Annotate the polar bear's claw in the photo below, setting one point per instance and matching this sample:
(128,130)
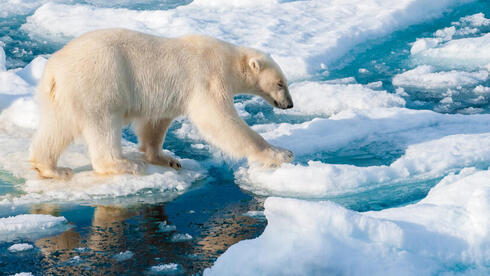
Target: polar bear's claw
(165,160)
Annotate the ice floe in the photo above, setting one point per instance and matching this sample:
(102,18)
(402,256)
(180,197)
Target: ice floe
(460,46)
(467,53)
(317,32)
(157,184)
(164,227)
(427,77)
(451,65)
(424,161)
(430,145)
(354,128)
(31,226)
(23,274)
(19,247)
(123,256)
(179,237)
(447,232)
(165,269)
(325,98)
(10,8)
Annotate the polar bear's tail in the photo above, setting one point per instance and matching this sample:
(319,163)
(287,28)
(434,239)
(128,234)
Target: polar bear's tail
(47,85)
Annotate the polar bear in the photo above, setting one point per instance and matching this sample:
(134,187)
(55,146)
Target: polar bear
(105,79)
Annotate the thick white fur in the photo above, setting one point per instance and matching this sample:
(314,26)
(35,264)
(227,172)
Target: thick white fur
(105,79)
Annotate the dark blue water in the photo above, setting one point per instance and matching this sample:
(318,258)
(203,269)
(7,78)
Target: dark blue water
(212,210)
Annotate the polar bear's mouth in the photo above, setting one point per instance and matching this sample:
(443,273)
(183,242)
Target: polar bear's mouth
(286,106)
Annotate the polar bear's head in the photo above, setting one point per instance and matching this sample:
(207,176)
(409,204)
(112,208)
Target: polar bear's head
(267,80)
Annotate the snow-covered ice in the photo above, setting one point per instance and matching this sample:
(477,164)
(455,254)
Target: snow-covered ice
(323,98)
(158,182)
(30,226)
(165,227)
(424,161)
(467,53)
(18,247)
(426,76)
(463,52)
(165,269)
(444,233)
(447,232)
(179,237)
(317,33)
(123,256)
(352,128)
(451,66)
(433,145)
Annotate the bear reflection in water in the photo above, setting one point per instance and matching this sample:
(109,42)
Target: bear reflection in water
(116,229)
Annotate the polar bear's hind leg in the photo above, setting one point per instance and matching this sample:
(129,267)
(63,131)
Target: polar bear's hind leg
(151,135)
(51,139)
(103,136)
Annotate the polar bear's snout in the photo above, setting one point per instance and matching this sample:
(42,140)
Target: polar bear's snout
(284,100)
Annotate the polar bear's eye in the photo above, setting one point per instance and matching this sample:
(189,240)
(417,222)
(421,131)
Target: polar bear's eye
(280,84)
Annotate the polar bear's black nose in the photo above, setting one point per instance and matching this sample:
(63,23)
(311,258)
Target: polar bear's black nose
(290,105)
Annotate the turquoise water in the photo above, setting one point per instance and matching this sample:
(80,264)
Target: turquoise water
(212,210)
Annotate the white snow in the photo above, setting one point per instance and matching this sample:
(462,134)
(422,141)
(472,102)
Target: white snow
(424,161)
(18,247)
(158,182)
(475,20)
(164,227)
(123,256)
(452,66)
(255,214)
(179,237)
(443,50)
(426,77)
(468,53)
(9,8)
(30,226)
(354,128)
(3,61)
(323,98)
(433,144)
(445,233)
(24,274)
(165,269)
(317,33)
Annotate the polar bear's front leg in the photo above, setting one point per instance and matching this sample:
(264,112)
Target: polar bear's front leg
(151,135)
(103,136)
(221,125)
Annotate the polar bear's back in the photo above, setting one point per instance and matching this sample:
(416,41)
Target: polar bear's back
(132,71)
(124,69)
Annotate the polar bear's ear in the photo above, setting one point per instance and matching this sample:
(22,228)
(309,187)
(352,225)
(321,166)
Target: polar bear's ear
(254,64)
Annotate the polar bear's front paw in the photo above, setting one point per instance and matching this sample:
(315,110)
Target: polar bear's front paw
(273,157)
(164,160)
